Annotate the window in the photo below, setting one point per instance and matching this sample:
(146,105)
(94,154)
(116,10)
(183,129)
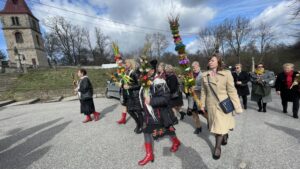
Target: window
(38,40)
(19,37)
(15,21)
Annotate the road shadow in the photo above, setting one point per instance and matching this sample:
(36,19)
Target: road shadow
(205,132)
(19,134)
(26,153)
(190,158)
(289,131)
(108,109)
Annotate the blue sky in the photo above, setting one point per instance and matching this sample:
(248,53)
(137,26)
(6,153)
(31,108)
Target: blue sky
(195,15)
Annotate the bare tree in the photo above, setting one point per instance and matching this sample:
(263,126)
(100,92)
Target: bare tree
(237,34)
(52,45)
(160,43)
(102,43)
(89,44)
(265,36)
(63,31)
(207,39)
(149,43)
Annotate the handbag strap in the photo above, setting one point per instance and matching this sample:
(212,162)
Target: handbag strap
(214,93)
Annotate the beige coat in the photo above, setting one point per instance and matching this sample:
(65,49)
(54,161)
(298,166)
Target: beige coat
(223,85)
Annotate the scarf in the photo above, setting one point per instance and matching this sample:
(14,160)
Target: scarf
(289,79)
(259,72)
(195,74)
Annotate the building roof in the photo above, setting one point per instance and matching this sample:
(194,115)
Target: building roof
(16,7)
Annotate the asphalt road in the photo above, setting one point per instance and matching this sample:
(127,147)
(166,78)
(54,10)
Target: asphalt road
(51,136)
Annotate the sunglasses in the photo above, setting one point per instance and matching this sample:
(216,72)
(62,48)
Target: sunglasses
(237,67)
(260,66)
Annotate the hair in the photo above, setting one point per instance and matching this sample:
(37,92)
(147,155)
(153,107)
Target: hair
(163,65)
(169,69)
(196,63)
(288,65)
(220,61)
(238,64)
(83,71)
(132,62)
(259,64)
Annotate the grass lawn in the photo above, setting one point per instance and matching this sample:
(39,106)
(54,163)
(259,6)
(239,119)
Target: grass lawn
(48,80)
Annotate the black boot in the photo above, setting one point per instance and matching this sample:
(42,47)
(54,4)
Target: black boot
(264,107)
(198,130)
(259,106)
(217,152)
(140,124)
(225,139)
(135,118)
(182,114)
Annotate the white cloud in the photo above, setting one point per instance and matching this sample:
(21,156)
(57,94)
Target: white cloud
(142,13)
(280,18)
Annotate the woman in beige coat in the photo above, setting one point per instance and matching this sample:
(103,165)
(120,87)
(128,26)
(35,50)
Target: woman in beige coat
(221,81)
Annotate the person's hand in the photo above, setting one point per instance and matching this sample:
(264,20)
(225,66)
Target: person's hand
(239,82)
(126,86)
(278,92)
(147,100)
(203,109)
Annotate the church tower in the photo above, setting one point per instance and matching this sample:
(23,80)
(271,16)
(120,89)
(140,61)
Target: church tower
(22,31)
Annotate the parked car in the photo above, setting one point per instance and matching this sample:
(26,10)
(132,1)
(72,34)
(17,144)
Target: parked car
(113,91)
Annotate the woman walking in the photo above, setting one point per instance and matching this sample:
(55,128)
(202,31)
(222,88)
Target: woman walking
(176,100)
(218,85)
(241,79)
(85,93)
(287,91)
(158,118)
(262,81)
(133,103)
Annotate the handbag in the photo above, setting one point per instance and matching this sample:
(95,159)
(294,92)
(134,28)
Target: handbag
(226,105)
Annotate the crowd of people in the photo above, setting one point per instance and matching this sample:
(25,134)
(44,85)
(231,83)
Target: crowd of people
(156,111)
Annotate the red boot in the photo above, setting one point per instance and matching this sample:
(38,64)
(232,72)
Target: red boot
(87,119)
(149,154)
(176,144)
(123,119)
(96,116)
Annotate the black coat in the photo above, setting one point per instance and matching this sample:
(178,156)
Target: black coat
(85,89)
(174,87)
(280,85)
(159,101)
(133,99)
(243,89)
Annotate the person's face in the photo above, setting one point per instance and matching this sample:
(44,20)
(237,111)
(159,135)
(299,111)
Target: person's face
(260,67)
(213,63)
(238,68)
(196,68)
(288,69)
(151,73)
(127,64)
(79,74)
(160,69)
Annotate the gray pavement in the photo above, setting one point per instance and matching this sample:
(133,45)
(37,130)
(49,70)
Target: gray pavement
(51,136)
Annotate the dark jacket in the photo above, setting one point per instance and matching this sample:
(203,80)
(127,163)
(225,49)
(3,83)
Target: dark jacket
(243,89)
(133,100)
(160,97)
(85,89)
(280,85)
(175,92)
